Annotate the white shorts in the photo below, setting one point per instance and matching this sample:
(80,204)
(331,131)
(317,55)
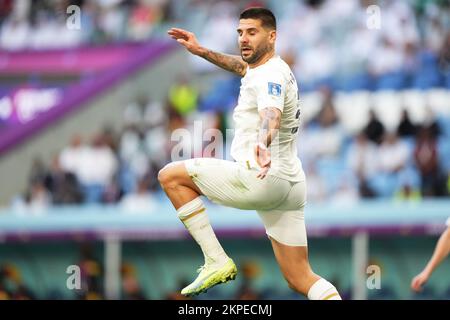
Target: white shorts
(279,202)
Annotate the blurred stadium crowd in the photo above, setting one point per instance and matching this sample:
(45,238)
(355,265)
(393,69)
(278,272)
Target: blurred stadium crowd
(336,43)
(331,49)
(407,162)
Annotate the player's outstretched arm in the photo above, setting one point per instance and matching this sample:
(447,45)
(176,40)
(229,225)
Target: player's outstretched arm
(230,63)
(440,253)
(270,123)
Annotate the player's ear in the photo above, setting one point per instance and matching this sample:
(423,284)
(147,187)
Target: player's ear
(272,36)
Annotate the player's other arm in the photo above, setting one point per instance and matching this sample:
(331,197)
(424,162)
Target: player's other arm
(270,123)
(230,63)
(440,253)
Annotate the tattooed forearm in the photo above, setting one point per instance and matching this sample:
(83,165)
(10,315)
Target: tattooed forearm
(270,124)
(228,62)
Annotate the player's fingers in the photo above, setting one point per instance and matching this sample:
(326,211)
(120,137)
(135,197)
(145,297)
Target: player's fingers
(176,30)
(181,32)
(260,173)
(263,173)
(417,288)
(174,37)
(182,41)
(414,284)
(177,34)
(417,284)
(172,31)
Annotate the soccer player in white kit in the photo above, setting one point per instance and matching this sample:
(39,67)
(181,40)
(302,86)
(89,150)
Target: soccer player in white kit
(266,176)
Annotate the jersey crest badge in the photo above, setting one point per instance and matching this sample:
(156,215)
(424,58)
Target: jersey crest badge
(274,89)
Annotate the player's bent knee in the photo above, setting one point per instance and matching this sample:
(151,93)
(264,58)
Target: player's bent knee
(171,176)
(165,175)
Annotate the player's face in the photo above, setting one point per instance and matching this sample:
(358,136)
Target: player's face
(254,40)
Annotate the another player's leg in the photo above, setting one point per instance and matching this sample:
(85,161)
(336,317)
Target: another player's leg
(294,264)
(185,197)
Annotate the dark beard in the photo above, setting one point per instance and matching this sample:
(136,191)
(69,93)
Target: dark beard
(256,56)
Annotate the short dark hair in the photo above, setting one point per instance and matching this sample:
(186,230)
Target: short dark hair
(265,15)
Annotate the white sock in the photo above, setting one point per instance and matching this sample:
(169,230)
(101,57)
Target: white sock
(323,290)
(194,217)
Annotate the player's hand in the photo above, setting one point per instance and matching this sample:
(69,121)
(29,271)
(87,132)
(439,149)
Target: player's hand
(262,156)
(419,281)
(186,38)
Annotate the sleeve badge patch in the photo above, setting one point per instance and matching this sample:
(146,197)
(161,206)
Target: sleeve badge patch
(274,89)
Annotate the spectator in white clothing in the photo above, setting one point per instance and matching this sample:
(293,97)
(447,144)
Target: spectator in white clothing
(392,154)
(362,156)
(70,156)
(139,201)
(98,167)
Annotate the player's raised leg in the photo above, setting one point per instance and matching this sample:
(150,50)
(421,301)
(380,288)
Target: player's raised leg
(294,264)
(185,197)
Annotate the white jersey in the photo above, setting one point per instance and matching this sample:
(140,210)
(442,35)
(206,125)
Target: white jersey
(269,85)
